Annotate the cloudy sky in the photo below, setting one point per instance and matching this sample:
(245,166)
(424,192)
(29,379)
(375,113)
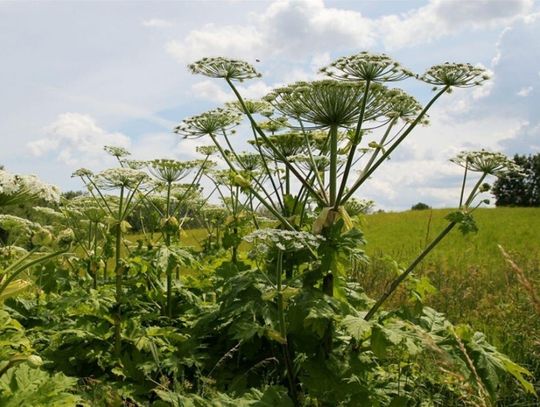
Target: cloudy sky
(77,75)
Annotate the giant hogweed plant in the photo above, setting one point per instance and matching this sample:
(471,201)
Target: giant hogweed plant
(328,137)
(128,182)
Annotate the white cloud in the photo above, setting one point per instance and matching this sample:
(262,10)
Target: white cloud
(524,92)
(212,40)
(440,18)
(157,23)
(76,138)
(294,29)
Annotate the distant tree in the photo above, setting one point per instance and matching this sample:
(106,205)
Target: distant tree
(520,188)
(420,206)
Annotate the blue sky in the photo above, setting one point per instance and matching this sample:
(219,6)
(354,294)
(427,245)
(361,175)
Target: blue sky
(78,75)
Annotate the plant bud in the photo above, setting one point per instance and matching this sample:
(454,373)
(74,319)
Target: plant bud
(34,361)
(484,187)
(65,237)
(42,238)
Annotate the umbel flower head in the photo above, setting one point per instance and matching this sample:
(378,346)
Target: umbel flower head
(486,162)
(208,123)
(284,240)
(134,164)
(366,66)
(249,161)
(120,178)
(455,75)
(82,172)
(288,144)
(326,103)
(225,68)
(252,106)
(117,152)
(18,188)
(207,150)
(170,171)
(403,106)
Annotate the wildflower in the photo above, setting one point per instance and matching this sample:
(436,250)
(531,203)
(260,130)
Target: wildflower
(225,68)
(170,170)
(456,75)
(249,161)
(16,188)
(288,144)
(8,183)
(305,161)
(251,107)
(120,178)
(326,103)
(208,123)
(366,66)
(117,152)
(207,150)
(487,162)
(82,172)
(134,164)
(284,240)
(404,106)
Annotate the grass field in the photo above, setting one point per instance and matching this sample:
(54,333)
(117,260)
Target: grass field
(474,283)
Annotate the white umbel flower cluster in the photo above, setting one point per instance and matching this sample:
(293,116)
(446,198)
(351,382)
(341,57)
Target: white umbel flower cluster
(16,188)
(284,240)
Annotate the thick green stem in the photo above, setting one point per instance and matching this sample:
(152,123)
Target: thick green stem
(394,285)
(354,144)
(333,164)
(283,330)
(118,273)
(168,244)
(472,195)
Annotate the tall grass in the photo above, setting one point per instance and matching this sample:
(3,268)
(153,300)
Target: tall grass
(475,283)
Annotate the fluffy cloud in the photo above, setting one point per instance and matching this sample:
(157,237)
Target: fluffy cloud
(294,29)
(298,29)
(440,18)
(524,92)
(76,138)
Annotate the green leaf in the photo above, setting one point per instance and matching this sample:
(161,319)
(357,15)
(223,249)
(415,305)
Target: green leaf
(464,220)
(357,327)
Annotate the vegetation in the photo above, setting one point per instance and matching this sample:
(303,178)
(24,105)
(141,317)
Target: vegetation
(520,188)
(420,206)
(274,306)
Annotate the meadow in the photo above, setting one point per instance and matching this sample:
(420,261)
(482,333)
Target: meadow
(473,281)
